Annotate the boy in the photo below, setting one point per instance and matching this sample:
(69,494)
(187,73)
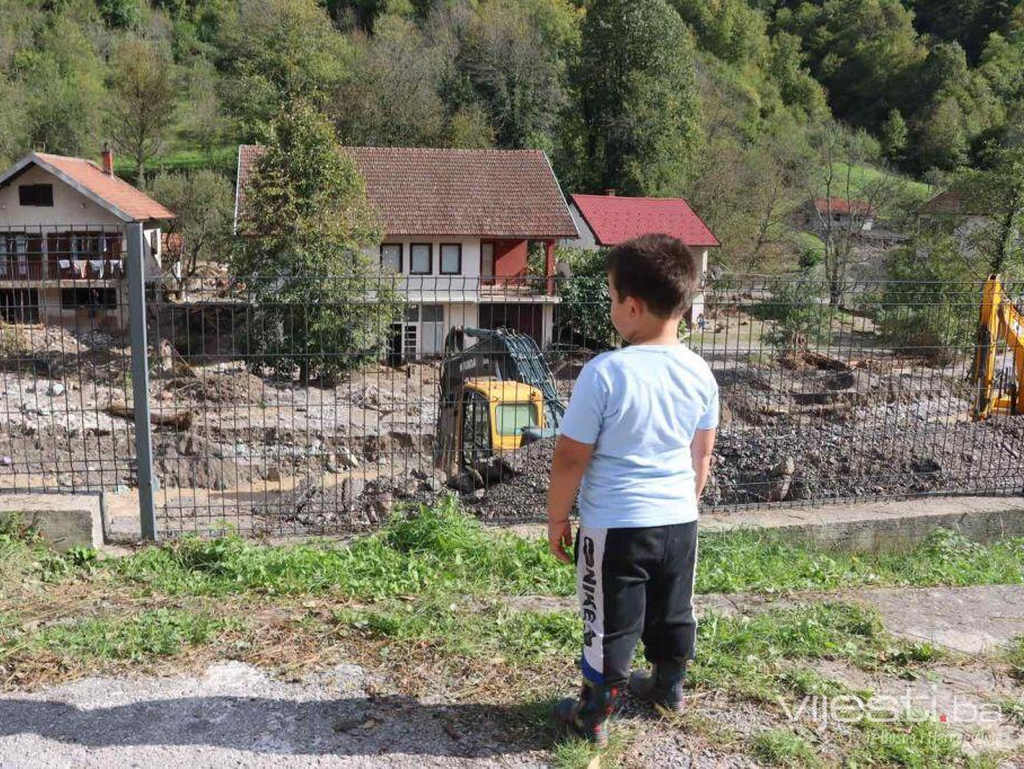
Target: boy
(638,433)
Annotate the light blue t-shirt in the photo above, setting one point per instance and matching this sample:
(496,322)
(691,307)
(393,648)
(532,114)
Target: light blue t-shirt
(640,406)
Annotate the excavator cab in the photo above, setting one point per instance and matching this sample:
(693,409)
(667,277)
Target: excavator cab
(496,396)
(496,417)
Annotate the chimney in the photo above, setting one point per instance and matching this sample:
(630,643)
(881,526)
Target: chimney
(610,192)
(108,160)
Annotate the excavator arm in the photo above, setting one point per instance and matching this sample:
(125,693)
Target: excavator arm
(999,319)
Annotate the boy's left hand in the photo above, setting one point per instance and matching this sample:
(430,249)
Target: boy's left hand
(560,539)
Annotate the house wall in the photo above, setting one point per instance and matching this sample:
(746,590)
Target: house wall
(586,238)
(70,207)
(510,257)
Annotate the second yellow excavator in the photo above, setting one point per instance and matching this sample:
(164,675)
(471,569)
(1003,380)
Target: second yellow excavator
(1000,319)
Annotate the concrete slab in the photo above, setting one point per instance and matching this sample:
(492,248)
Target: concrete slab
(878,526)
(64,520)
(974,620)
(868,526)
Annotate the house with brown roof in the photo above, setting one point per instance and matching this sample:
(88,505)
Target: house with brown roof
(847,214)
(458,228)
(62,240)
(609,219)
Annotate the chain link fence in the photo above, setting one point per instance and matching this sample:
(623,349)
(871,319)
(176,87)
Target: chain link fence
(271,415)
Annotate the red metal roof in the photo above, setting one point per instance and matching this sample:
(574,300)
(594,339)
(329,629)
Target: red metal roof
(113,193)
(843,206)
(428,191)
(615,219)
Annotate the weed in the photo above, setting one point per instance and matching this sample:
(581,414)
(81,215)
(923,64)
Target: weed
(781,747)
(804,682)
(911,743)
(748,560)
(575,753)
(1015,657)
(1013,709)
(160,632)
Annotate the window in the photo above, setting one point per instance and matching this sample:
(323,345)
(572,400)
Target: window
(511,418)
(94,298)
(432,313)
(451,258)
(487,261)
(420,259)
(35,195)
(391,257)
(476,433)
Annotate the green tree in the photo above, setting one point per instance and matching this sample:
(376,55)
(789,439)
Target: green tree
(318,303)
(894,136)
(390,96)
(942,136)
(995,193)
(203,204)
(60,76)
(273,51)
(639,114)
(928,306)
(145,96)
(514,56)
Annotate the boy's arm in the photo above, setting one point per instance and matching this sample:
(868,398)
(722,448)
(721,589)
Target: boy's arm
(569,461)
(700,449)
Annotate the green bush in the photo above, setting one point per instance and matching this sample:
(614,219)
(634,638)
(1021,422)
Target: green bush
(585,310)
(799,314)
(929,305)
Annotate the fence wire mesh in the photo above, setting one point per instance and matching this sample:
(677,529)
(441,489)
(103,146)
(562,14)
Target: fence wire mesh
(318,405)
(64,360)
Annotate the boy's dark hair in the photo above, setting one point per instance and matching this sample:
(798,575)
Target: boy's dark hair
(659,270)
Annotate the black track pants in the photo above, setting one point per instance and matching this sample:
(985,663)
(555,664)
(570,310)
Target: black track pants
(632,584)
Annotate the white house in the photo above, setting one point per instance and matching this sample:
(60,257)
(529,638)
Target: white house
(458,225)
(62,240)
(609,219)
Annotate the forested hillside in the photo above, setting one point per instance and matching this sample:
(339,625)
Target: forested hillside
(743,106)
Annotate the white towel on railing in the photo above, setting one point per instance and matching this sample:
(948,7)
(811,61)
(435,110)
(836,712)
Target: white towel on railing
(97,266)
(65,264)
(80,267)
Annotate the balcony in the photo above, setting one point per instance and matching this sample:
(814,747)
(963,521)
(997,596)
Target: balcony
(32,268)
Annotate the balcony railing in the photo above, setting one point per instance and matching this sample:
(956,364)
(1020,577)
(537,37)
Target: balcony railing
(35,269)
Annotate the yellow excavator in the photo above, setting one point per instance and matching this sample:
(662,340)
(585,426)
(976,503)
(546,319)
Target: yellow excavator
(497,395)
(1000,319)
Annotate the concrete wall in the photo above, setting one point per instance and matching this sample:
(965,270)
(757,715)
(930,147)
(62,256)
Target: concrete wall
(70,207)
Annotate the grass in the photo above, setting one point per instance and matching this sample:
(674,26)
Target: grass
(1015,657)
(864,176)
(781,747)
(442,551)
(156,633)
(219,158)
(425,599)
(807,241)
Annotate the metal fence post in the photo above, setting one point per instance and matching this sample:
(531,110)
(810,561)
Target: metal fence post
(135,268)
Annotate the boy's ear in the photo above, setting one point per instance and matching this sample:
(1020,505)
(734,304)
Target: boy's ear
(636,306)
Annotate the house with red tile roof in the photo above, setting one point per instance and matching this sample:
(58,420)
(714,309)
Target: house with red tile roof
(609,219)
(848,214)
(458,225)
(62,240)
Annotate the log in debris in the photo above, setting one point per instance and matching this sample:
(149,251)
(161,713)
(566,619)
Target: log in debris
(181,420)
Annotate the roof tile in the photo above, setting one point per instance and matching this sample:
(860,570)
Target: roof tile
(115,191)
(434,191)
(615,219)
